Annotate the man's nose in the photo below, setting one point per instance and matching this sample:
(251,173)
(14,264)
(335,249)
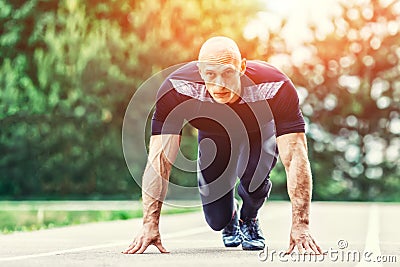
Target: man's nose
(219,81)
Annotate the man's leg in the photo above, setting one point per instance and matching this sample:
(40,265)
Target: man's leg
(253,201)
(258,156)
(216,177)
(220,212)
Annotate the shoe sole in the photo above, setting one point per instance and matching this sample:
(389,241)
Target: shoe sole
(232,245)
(253,248)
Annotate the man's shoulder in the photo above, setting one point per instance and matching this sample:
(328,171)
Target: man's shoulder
(186,71)
(185,81)
(262,81)
(262,72)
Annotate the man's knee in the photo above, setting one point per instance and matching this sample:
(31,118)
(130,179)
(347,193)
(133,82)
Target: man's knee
(218,216)
(262,191)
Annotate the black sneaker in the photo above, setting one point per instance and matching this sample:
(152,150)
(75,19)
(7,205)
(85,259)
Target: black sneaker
(253,238)
(231,235)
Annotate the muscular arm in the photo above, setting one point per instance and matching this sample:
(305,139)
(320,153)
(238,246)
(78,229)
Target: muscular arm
(162,153)
(293,152)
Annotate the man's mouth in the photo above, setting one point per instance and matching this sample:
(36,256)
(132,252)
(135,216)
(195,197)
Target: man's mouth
(221,95)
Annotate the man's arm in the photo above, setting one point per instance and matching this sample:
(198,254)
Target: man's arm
(293,153)
(162,153)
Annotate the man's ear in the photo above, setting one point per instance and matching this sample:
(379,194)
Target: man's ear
(243,66)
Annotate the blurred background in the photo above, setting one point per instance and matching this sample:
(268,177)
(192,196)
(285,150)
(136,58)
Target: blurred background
(68,70)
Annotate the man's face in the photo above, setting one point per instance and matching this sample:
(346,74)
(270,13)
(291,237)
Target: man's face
(222,81)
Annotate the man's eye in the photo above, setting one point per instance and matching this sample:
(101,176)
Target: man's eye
(229,73)
(210,74)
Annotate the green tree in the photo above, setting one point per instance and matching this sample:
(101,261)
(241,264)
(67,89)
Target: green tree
(67,71)
(353,105)
(51,112)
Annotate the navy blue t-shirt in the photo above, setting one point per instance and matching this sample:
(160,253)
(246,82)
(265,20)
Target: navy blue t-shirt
(267,94)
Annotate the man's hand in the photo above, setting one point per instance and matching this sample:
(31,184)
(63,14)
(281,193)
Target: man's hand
(149,235)
(301,238)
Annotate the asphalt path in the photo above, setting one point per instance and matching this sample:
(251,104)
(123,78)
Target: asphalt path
(352,234)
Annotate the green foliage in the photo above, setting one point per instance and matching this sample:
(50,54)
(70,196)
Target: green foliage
(29,220)
(34,220)
(352,103)
(67,72)
(69,68)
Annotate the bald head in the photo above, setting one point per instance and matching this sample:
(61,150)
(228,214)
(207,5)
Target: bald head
(221,66)
(220,50)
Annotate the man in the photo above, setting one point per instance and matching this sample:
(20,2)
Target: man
(229,101)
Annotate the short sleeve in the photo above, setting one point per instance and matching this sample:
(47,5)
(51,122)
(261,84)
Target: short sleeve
(167,118)
(286,110)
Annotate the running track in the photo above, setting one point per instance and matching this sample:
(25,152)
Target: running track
(358,227)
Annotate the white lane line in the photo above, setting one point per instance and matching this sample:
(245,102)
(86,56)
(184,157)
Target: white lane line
(58,252)
(189,232)
(372,239)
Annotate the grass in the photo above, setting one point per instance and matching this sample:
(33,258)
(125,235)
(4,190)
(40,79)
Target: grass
(34,218)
